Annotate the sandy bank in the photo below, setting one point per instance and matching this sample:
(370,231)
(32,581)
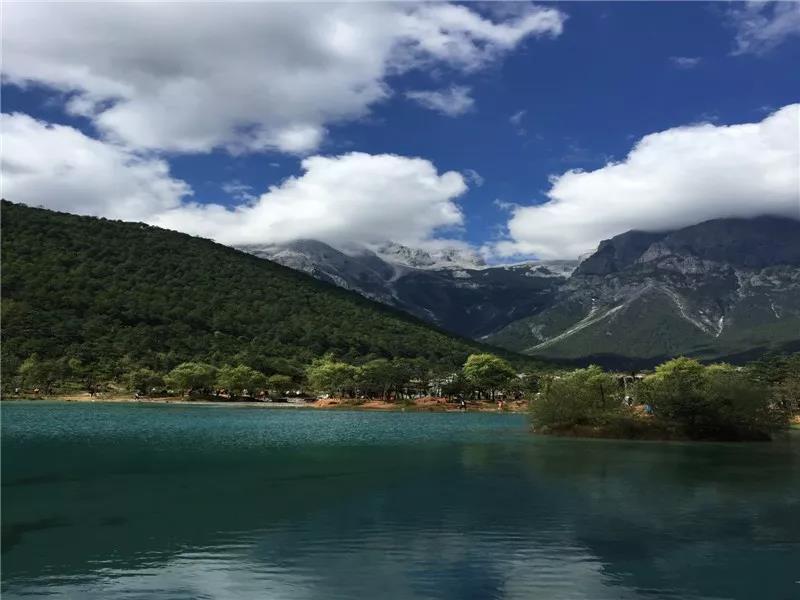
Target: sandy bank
(425,404)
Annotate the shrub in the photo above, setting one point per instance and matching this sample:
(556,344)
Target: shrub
(715,402)
(583,397)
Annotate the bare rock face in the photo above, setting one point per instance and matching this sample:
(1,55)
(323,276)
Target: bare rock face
(728,288)
(451,287)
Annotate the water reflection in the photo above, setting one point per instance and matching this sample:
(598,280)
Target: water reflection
(227,504)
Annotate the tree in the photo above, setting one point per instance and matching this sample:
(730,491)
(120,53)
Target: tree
(674,390)
(739,406)
(454,385)
(587,396)
(377,377)
(240,378)
(329,375)
(192,376)
(144,380)
(782,373)
(279,384)
(715,402)
(487,373)
(43,374)
(787,394)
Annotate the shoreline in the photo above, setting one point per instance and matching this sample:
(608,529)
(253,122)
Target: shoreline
(417,405)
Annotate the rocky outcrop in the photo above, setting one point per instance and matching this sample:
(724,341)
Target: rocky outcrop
(450,287)
(724,288)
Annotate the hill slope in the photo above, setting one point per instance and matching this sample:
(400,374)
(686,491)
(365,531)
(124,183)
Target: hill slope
(720,289)
(117,295)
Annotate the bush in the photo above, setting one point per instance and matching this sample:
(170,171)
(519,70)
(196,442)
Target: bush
(583,397)
(715,402)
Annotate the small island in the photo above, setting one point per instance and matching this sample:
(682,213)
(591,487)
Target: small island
(681,399)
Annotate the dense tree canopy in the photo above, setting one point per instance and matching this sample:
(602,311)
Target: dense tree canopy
(240,379)
(118,297)
(487,373)
(718,401)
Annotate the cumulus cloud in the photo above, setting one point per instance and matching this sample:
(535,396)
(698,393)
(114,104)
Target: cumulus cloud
(452,102)
(673,178)
(354,197)
(61,168)
(350,198)
(761,26)
(244,76)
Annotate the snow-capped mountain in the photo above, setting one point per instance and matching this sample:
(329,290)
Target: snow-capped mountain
(450,287)
(723,288)
(440,258)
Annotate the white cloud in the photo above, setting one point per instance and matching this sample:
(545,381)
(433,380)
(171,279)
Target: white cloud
(244,76)
(62,169)
(351,198)
(685,62)
(761,26)
(472,176)
(670,179)
(453,101)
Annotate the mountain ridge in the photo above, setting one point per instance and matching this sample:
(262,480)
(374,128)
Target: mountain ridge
(724,287)
(467,301)
(686,286)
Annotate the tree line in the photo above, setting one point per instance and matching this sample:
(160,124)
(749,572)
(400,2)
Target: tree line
(680,398)
(482,377)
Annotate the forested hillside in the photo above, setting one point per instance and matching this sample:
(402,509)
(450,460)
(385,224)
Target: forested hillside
(117,296)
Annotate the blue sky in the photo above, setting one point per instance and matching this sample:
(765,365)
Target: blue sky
(549,103)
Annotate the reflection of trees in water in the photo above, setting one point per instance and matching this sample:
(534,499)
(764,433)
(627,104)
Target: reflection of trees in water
(684,515)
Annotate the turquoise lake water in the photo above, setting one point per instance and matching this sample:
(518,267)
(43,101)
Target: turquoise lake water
(140,501)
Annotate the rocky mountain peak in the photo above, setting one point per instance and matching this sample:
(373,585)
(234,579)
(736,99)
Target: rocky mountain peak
(439,258)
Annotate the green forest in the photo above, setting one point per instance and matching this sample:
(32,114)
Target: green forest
(95,299)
